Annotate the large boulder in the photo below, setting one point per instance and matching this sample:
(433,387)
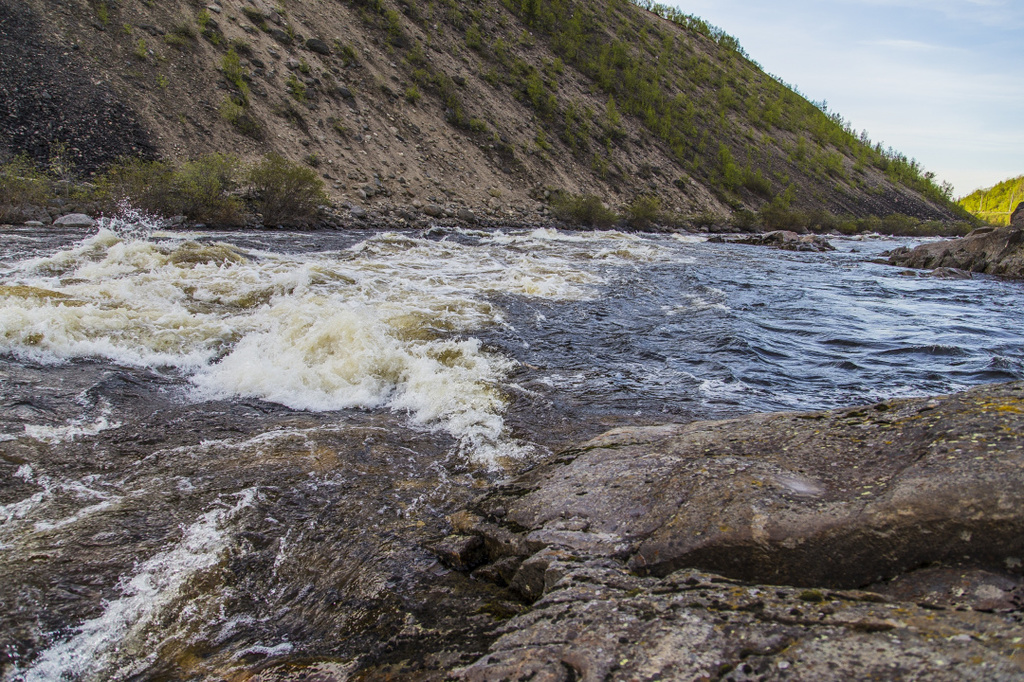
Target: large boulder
(782,239)
(74,220)
(837,499)
(990,250)
(1018,215)
(880,542)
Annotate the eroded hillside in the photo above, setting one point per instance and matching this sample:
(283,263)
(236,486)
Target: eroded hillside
(483,103)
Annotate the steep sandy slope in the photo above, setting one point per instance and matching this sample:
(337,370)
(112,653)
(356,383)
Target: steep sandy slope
(484,103)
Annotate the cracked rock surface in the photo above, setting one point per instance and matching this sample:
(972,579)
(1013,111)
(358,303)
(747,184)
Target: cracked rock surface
(895,531)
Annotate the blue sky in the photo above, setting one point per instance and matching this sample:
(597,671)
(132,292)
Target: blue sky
(940,80)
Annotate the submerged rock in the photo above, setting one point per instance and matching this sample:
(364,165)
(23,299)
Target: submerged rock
(620,545)
(990,250)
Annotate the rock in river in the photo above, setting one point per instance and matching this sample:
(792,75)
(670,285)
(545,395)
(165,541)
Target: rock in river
(990,250)
(648,551)
(74,220)
(783,239)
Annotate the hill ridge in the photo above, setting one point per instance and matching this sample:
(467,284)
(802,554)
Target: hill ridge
(490,104)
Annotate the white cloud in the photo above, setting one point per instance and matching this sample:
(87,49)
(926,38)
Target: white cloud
(939,80)
(1004,14)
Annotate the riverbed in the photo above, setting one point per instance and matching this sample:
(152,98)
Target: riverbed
(225,454)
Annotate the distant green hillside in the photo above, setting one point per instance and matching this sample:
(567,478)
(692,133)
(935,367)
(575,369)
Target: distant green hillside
(995,204)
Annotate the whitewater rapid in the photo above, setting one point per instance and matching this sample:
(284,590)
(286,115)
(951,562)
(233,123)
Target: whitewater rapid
(389,322)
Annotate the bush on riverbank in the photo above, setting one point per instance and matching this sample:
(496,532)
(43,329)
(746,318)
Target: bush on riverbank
(215,189)
(201,190)
(643,212)
(21,186)
(776,217)
(285,193)
(584,210)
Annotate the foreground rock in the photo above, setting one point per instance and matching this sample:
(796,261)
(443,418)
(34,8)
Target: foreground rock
(597,622)
(619,544)
(989,250)
(783,239)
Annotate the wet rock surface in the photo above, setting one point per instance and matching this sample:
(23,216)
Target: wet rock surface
(620,544)
(269,541)
(989,250)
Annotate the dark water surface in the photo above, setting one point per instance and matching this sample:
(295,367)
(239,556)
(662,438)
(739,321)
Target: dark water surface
(222,455)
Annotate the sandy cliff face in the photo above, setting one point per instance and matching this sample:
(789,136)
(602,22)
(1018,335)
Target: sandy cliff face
(406,102)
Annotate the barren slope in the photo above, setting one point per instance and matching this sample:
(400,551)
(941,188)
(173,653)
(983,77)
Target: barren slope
(484,103)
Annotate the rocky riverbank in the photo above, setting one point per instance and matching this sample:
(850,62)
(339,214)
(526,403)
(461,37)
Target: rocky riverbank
(654,552)
(989,250)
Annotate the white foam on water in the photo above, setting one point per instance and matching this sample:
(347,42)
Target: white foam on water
(72,430)
(263,650)
(92,652)
(610,246)
(716,389)
(689,238)
(45,526)
(17,517)
(387,323)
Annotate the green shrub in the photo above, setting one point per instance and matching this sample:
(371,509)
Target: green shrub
(346,52)
(474,38)
(901,225)
(180,35)
(542,140)
(756,182)
(102,11)
(234,73)
(643,211)
(745,220)
(585,210)
(241,46)
(21,185)
(706,219)
(413,94)
(255,16)
(146,185)
(285,193)
(297,88)
(203,190)
(238,116)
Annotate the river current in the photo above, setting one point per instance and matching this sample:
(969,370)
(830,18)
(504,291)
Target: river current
(224,455)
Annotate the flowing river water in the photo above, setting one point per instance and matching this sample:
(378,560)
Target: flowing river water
(223,455)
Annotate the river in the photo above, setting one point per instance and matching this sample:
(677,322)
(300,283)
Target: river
(223,455)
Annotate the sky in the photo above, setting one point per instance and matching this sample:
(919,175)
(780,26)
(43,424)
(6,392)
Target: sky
(941,81)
